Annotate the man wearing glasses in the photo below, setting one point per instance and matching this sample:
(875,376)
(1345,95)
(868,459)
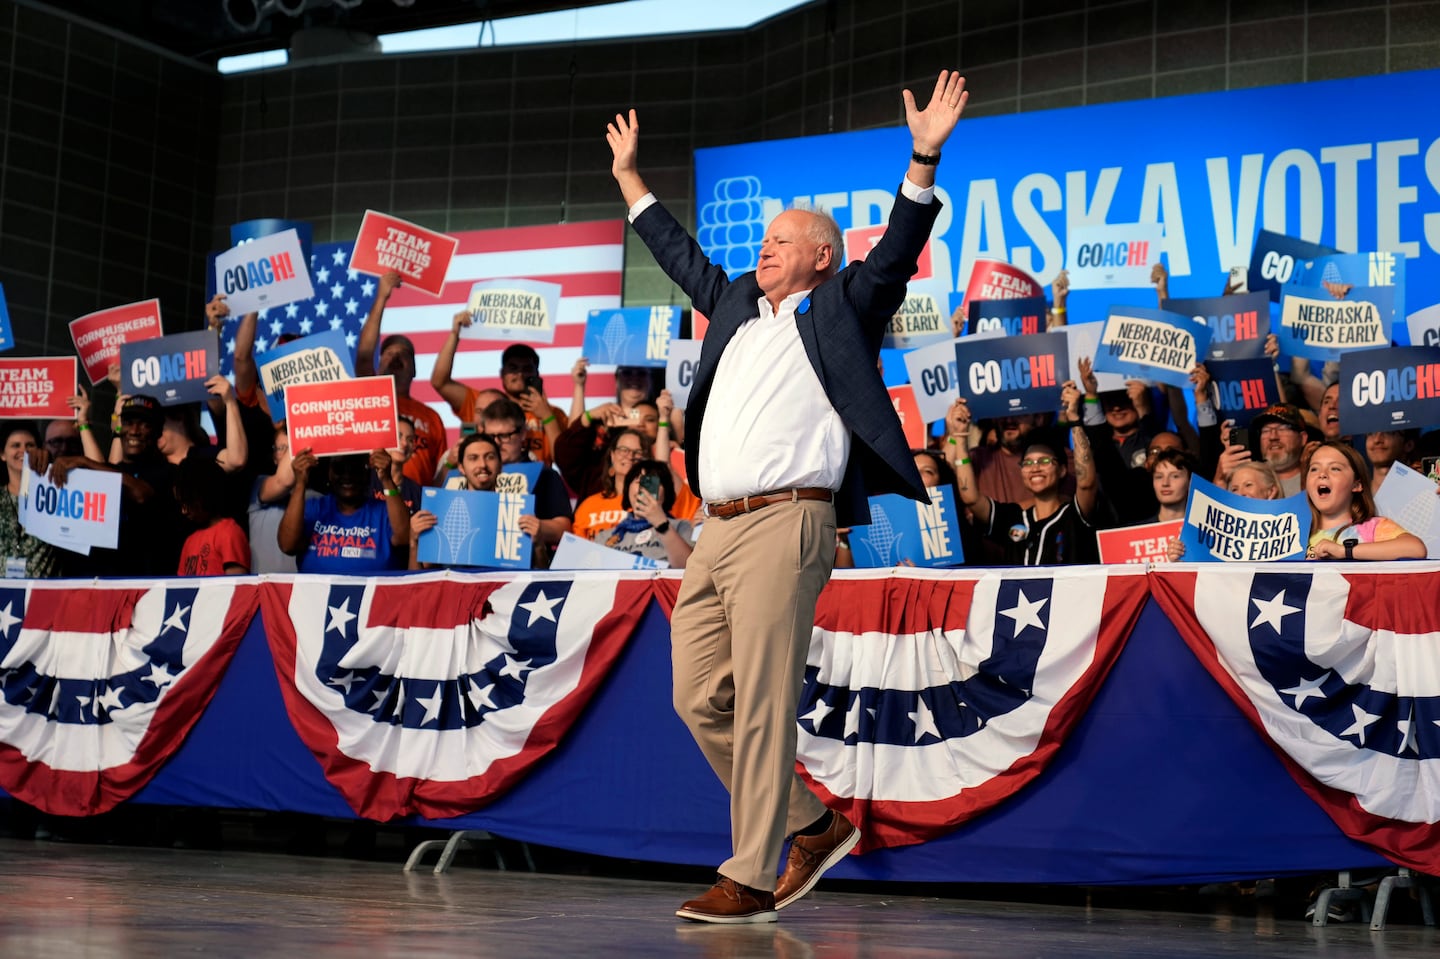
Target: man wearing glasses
(504,420)
(1056,530)
(63,439)
(1282,433)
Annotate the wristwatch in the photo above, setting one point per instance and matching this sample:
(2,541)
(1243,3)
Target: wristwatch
(663,528)
(1350,545)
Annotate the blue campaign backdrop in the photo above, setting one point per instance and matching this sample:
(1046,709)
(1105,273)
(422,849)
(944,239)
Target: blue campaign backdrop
(1357,187)
(1392,389)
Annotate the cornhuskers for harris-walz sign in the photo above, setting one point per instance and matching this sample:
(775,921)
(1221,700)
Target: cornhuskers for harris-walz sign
(1010,375)
(262,273)
(1389,389)
(99,335)
(173,369)
(1222,527)
(349,416)
(1151,344)
(1238,323)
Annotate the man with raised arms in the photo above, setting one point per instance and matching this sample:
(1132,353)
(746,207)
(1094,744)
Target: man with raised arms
(789,429)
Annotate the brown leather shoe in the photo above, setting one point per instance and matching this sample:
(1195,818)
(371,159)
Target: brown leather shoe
(729,902)
(811,856)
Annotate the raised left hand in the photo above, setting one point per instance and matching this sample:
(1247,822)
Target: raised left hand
(931,127)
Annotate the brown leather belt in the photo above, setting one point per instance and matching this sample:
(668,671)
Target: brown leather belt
(730,508)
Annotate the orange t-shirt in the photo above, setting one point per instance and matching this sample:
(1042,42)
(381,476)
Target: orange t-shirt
(429,440)
(597,514)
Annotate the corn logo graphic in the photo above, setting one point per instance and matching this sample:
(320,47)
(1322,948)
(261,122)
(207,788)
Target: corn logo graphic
(883,543)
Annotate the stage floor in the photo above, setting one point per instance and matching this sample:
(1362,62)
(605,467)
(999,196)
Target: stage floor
(62,900)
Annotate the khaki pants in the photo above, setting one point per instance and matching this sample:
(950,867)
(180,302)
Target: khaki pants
(740,632)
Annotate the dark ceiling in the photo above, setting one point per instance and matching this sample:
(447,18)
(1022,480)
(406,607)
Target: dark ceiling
(207,29)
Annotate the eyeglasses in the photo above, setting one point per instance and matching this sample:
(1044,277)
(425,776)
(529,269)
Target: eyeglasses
(1038,461)
(631,452)
(502,437)
(57,441)
(1275,429)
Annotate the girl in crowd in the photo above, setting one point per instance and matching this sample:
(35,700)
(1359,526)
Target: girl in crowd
(1343,522)
(648,529)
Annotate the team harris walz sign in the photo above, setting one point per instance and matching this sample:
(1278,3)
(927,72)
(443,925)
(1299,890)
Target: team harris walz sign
(1011,375)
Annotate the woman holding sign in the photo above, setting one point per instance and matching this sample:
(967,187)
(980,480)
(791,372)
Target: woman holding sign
(1342,511)
(26,557)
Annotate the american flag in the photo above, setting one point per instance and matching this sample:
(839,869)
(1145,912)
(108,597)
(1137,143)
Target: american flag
(586,259)
(1338,668)
(96,696)
(434,694)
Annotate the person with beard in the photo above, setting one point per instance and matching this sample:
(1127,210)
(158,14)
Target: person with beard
(62,438)
(151,527)
(397,359)
(346,531)
(479,457)
(1057,529)
(1282,434)
(504,422)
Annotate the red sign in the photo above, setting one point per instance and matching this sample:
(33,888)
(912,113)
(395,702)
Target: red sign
(1138,544)
(998,280)
(37,387)
(388,243)
(344,416)
(903,399)
(98,335)
(860,240)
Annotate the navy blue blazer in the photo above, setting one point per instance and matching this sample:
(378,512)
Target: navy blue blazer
(842,332)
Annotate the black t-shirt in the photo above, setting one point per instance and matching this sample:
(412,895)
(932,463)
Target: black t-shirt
(1064,538)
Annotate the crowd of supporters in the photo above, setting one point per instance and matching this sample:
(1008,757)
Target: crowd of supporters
(1032,489)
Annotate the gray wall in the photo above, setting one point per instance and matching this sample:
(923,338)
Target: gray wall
(514,137)
(107,170)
